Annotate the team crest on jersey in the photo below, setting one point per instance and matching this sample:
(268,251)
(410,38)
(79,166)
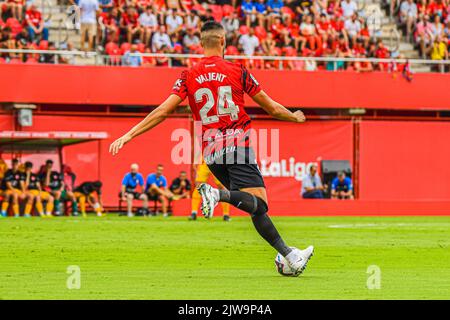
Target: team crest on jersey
(254,80)
(177,85)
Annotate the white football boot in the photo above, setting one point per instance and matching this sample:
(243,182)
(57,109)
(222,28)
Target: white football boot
(210,198)
(298,259)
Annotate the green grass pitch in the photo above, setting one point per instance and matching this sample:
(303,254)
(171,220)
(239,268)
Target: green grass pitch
(172,258)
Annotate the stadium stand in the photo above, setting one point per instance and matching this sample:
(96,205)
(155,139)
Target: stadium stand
(285,28)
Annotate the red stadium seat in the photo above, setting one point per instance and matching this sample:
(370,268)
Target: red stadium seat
(231,51)
(15,61)
(243,30)
(217,12)
(141,47)
(2,60)
(125,47)
(227,10)
(260,32)
(31,61)
(43,45)
(112,48)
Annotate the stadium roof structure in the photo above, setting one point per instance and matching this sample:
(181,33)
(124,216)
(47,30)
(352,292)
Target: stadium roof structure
(14,141)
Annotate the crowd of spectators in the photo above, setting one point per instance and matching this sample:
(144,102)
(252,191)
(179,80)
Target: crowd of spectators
(123,29)
(22,26)
(426,23)
(309,28)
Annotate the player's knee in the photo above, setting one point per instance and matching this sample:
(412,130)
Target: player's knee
(261,207)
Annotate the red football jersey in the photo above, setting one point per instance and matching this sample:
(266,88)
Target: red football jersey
(215,88)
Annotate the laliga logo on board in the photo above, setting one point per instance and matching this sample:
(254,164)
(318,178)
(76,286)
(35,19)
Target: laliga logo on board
(285,168)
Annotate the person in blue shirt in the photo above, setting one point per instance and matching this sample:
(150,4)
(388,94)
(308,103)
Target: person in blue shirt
(342,187)
(156,188)
(132,189)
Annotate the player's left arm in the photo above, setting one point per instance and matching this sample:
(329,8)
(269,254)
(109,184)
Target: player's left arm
(276,109)
(151,120)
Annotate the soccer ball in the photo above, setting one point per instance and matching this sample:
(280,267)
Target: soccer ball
(283,267)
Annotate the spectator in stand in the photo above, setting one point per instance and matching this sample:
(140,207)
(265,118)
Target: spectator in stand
(161,39)
(132,58)
(149,23)
(181,187)
(249,42)
(148,61)
(312,187)
(423,34)
(156,188)
(342,187)
(130,24)
(132,189)
(108,27)
(439,51)
(382,53)
(248,11)
(261,12)
(309,35)
(352,28)
(106,5)
(231,26)
(174,22)
(274,10)
(35,23)
(349,8)
(88,20)
(192,20)
(190,39)
(408,16)
(437,28)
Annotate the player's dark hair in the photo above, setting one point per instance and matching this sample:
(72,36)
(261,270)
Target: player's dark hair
(28,164)
(211,25)
(49,161)
(15,161)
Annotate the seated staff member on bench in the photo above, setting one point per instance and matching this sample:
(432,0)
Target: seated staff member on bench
(130,183)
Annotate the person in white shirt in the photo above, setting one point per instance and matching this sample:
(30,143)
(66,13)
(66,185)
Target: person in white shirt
(149,23)
(192,20)
(190,39)
(408,15)
(352,27)
(174,22)
(349,7)
(231,26)
(88,20)
(249,42)
(160,39)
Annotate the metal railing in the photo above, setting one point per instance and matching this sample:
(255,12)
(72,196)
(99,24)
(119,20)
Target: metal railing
(96,58)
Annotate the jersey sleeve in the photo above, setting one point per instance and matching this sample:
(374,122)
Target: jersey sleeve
(180,87)
(249,83)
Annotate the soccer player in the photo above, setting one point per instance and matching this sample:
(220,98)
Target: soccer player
(90,192)
(12,189)
(52,182)
(34,192)
(215,89)
(202,177)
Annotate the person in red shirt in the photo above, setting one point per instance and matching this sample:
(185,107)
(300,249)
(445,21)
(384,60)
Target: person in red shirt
(323,27)
(130,22)
(108,28)
(382,53)
(215,89)
(35,24)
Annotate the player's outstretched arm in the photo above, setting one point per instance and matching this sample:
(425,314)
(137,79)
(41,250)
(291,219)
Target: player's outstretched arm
(277,110)
(151,120)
